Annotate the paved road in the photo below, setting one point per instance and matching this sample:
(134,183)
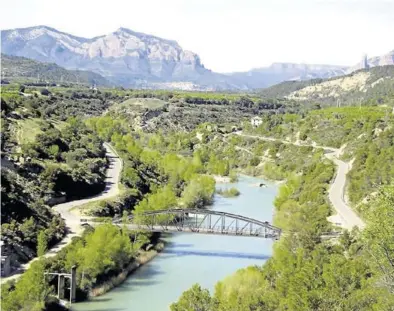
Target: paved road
(345,217)
(73,220)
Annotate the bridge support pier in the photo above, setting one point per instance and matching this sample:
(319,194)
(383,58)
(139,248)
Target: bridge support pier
(60,286)
(73,284)
(61,281)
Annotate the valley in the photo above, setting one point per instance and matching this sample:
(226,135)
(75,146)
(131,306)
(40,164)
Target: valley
(166,157)
(102,138)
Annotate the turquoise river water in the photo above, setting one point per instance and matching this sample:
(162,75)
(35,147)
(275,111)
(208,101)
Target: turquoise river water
(192,258)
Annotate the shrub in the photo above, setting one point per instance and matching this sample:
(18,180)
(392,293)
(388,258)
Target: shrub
(229,193)
(45,92)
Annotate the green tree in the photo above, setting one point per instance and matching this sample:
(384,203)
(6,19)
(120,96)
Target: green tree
(105,249)
(30,150)
(53,151)
(194,299)
(42,243)
(241,291)
(199,191)
(254,161)
(379,234)
(31,291)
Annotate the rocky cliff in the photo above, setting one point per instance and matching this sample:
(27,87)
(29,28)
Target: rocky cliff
(382,60)
(124,56)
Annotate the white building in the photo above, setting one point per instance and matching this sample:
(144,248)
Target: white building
(256,121)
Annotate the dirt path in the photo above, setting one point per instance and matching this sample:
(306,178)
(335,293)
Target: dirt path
(73,220)
(345,217)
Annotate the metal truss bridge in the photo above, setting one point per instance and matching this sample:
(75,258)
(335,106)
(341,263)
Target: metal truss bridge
(200,221)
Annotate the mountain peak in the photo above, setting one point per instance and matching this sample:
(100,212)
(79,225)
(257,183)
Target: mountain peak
(124,30)
(124,54)
(143,36)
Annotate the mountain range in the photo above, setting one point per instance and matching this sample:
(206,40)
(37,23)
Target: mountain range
(383,60)
(134,59)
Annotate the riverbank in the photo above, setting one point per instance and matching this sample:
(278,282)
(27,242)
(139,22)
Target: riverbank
(189,258)
(143,258)
(260,175)
(221,179)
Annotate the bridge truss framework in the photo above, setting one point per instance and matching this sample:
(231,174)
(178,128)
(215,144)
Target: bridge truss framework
(202,221)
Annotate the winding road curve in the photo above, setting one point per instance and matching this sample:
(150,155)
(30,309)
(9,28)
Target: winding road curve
(346,217)
(73,220)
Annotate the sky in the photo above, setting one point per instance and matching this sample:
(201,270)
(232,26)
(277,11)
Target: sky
(228,35)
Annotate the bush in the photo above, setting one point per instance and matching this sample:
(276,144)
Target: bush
(233,177)
(254,161)
(45,92)
(229,193)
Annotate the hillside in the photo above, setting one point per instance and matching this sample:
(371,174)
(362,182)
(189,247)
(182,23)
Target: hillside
(44,162)
(283,89)
(22,69)
(372,86)
(185,111)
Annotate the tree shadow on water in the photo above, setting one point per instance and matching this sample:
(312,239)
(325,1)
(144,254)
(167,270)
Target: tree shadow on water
(144,276)
(173,245)
(102,299)
(134,285)
(180,252)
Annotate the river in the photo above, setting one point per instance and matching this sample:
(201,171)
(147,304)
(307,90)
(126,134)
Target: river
(193,258)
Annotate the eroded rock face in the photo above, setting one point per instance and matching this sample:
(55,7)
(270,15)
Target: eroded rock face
(139,60)
(122,54)
(382,60)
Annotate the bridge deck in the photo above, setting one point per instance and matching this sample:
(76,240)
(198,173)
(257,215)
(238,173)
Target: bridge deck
(174,229)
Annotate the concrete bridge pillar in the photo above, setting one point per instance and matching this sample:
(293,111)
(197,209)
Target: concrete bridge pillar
(60,286)
(73,284)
